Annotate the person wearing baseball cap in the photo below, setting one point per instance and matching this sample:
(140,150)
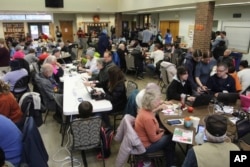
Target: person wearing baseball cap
(215,152)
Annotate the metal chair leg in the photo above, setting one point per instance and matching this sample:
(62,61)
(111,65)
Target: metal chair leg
(46,114)
(84,158)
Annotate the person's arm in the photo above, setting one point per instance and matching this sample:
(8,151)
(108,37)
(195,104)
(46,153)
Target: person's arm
(172,93)
(115,94)
(152,131)
(190,159)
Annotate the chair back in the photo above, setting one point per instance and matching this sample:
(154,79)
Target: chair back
(164,76)
(21,85)
(86,133)
(242,127)
(131,85)
(130,62)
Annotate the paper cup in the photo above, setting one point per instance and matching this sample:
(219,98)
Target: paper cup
(196,121)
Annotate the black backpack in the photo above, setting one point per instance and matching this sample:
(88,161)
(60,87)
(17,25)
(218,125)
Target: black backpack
(107,137)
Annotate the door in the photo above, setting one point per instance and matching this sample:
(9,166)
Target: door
(66,28)
(36,28)
(172,25)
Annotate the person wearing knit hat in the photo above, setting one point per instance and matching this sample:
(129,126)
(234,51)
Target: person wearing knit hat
(215,152)
(90,65)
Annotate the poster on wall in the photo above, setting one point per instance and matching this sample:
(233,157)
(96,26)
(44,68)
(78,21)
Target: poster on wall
(191,32)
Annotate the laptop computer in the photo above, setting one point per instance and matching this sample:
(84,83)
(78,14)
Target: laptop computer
(202,100)
(228,98)
(245,102)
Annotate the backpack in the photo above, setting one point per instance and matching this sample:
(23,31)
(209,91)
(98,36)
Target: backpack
(106,137)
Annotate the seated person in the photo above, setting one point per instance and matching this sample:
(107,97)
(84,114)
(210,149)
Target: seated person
(116,92)
(44,54)
(215,151)
(243,75)
(180,85)
(31,56)
(11,140)
(147,127)
(8,104)
(57,67)
(4,163)
(85,109)
(221,81)
(47,88)
(226,58)
(157,55)
(16,73)
(19,54)
(90,66)
(102,76)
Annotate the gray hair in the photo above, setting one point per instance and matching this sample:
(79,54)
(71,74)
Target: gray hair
(50,59)
(100,61)
(152,93)
(46,68)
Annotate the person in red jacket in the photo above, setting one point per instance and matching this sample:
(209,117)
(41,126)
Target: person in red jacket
(8,104)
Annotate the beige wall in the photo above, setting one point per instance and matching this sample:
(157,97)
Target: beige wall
(69,6)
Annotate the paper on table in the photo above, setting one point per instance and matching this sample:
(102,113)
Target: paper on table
(183,136)
(233,119)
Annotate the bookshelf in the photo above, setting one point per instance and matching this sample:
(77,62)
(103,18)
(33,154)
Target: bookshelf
(14,29)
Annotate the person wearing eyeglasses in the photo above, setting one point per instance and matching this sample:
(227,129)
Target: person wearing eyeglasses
(221,81)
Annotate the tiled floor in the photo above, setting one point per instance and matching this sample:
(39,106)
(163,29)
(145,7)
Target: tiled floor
(52,139)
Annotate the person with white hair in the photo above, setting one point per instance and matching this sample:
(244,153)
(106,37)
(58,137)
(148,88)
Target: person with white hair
(147,127)
(57,67)
(90,65)
(215,152)
(122,52)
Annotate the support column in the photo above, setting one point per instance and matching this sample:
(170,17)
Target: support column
(203,25)
(118,24)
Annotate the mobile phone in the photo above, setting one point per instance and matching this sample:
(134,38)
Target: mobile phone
(173,122)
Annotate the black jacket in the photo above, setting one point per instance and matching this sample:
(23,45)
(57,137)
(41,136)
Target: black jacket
(117,97)
(176,88)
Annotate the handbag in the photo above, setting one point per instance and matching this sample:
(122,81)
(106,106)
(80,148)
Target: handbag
(243,134)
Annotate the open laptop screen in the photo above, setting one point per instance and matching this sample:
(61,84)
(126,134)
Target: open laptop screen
(228,98)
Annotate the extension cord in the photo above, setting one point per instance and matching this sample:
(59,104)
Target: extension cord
(68,158)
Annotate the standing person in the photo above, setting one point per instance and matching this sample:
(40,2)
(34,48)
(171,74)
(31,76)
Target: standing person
(58,34)
(146,37)
(203,70)
(147,127)
(122,52)
(80,35)
(168,37)
(158,38)
(4,56)
(138,54)
(215,152)
(103,42)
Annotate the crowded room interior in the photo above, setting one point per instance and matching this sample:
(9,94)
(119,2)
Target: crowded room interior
(124,83)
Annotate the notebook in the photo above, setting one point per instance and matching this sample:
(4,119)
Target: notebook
(227,98)
(202,100)
(245,102)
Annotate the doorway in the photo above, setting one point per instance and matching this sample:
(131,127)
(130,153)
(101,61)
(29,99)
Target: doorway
(172,25)
(67,30)
(36,28)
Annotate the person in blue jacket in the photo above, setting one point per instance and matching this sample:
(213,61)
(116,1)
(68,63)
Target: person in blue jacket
(10,140)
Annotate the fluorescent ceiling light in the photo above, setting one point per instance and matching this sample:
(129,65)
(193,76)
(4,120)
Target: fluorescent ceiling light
(230,4)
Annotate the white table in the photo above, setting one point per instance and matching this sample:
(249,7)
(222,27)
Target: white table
(75,89)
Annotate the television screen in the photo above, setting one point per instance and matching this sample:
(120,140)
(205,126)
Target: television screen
(54,3)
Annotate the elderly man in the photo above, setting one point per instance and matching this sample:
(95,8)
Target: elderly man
(215,152)
(47,88)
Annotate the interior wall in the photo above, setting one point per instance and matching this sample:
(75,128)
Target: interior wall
(69,6)
(187,20)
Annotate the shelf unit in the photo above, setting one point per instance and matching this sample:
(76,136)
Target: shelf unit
(14,29)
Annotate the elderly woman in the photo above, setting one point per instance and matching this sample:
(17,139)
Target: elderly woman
(147,127)
(57,68)
(90,65)
(8,104)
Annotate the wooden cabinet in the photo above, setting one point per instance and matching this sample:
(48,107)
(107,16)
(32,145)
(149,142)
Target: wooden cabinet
(15,30)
